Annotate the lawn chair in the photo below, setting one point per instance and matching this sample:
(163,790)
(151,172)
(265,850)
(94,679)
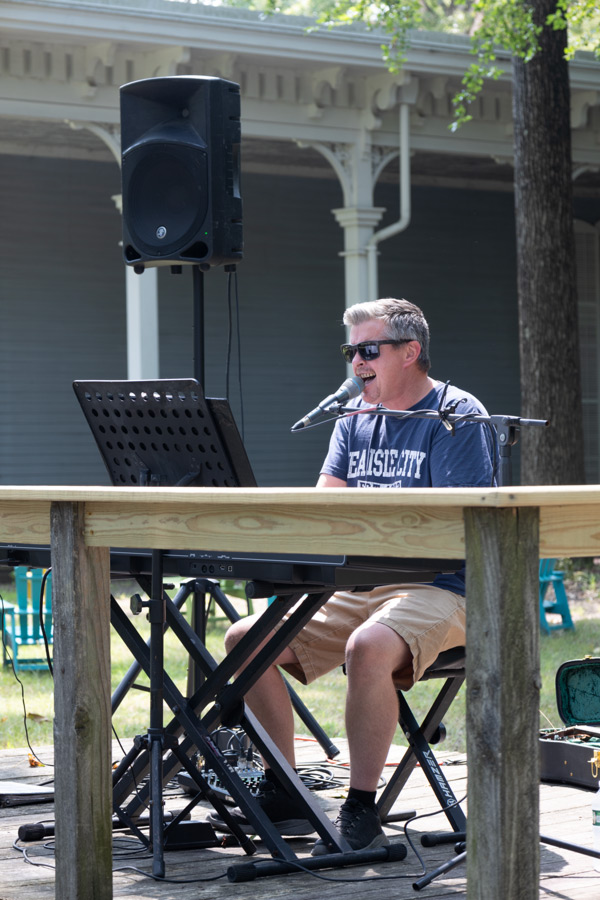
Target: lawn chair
(21,627)
(559,605)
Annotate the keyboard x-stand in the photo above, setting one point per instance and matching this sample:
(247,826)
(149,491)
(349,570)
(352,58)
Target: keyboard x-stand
(219,701)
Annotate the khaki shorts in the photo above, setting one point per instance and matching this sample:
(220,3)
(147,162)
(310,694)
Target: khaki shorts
(429,619)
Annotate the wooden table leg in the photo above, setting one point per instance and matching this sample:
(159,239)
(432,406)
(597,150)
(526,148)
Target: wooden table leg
(503,685)
(83,804)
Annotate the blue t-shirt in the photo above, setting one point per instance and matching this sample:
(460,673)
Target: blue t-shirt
(371,450)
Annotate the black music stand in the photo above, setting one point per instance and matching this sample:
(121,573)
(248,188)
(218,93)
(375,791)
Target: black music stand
(166,432)
(162,433)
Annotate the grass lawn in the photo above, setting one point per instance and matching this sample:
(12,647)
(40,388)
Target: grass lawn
(31,701)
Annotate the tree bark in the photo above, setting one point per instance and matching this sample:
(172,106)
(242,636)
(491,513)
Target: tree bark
(546,274)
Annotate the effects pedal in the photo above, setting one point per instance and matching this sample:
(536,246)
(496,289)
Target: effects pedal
(239,754)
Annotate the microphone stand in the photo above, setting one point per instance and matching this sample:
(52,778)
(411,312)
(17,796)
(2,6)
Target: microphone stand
(507,428)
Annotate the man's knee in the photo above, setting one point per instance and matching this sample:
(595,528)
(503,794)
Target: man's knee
(376,647)
(236,632)
(361,649)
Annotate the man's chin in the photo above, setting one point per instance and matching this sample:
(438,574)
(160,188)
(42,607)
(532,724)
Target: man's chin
(369,397)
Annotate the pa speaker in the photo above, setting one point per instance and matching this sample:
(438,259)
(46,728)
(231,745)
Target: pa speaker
(180,169)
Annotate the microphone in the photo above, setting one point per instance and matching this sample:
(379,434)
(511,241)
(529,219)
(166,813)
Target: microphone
(351,387)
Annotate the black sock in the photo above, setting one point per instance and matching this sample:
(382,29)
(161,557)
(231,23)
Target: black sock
(367,798)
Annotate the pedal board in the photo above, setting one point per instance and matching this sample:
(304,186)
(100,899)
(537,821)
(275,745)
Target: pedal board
(239,754)
(251,779)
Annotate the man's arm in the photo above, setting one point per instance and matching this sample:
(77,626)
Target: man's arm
(330,481)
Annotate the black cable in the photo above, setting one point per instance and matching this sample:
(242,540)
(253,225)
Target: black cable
(167,880)
(28,859)
(42,625)
(232,287)
(496,454)
(320,778)
(414,818)
(359,880)
(297,865)
(239,352)
(229,336)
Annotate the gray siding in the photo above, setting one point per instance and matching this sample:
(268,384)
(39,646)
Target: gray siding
(457,261)
(62,313)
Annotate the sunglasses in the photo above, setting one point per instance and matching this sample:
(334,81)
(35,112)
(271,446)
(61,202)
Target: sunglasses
(367,350)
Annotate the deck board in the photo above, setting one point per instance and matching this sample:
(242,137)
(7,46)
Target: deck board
(564,874)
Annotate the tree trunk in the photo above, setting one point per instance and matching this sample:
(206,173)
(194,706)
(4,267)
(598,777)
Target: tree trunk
(546,275)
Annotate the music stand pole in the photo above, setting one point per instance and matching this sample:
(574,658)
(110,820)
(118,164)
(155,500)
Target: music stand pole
(156,734)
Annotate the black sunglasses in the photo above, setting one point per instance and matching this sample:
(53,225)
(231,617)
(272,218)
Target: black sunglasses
(367,350)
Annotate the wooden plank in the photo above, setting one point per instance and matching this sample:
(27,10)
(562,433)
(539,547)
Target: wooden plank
(81,594)
(503,684)
(569,531)
(25,521)
(372,529)
(273,520)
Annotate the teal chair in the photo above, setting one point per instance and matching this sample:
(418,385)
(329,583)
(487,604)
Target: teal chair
(21,621)
(553,597)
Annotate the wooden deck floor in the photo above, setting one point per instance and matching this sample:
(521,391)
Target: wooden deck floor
(565,875)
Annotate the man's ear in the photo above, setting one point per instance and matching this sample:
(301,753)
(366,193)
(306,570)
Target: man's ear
(413,351)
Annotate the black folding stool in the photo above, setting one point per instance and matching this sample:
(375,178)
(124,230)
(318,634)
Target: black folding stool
(449,665)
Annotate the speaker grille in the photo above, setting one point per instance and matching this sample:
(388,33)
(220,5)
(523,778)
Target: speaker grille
(167,196)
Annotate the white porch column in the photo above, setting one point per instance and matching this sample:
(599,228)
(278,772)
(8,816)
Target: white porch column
(354,164)
(359,224)
(142,324)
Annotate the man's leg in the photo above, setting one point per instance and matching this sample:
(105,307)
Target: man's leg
(374,653)
(270,702)
(269,699)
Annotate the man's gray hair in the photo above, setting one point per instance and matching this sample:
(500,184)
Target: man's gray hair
(402,320)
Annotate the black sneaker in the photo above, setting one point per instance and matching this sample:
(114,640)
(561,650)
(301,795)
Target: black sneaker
(287,816)
(360,825)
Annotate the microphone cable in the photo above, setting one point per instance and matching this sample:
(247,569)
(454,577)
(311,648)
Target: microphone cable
(232,289)
(45,577)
